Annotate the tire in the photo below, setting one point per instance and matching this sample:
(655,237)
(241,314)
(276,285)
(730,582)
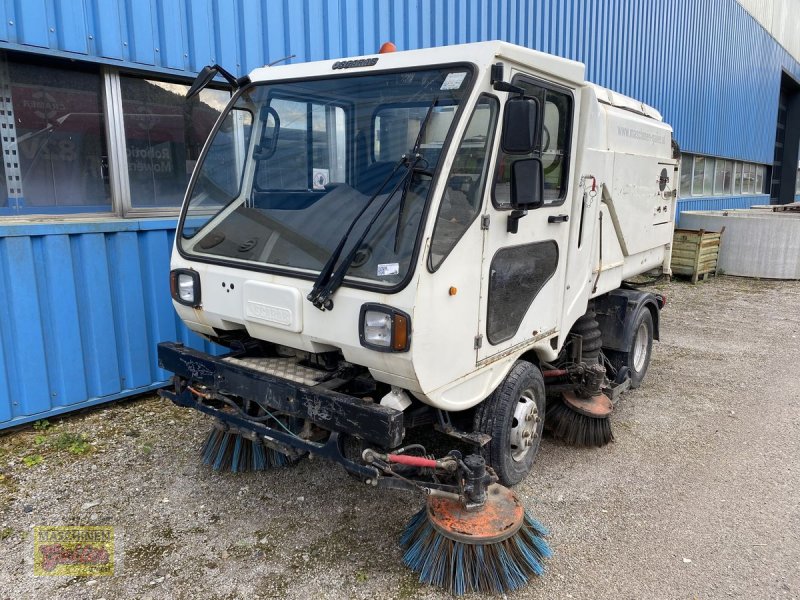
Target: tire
(502,416)
(637,358)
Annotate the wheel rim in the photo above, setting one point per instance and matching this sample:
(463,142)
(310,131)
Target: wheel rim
(524,426)
(640,344)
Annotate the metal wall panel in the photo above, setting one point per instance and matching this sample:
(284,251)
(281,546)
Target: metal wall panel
(707,65)
(84,307)
(779,17)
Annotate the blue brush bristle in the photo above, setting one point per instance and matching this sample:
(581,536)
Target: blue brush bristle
(461,568)
(226,451)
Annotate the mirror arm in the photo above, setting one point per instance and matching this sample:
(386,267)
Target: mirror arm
(502,86)
(513,220)
(198,85)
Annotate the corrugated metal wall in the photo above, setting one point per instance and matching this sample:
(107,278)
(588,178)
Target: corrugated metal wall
(83,308)
(83,305)
(710,68)
(779,17)
(707,65)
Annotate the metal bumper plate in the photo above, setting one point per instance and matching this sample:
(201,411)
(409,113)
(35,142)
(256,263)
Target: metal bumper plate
(328,409)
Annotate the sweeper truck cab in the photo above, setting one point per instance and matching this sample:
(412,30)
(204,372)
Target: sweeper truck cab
(437,238)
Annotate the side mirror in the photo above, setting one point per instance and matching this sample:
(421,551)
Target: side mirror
(527,184)
(207,75)
(520,125)
(202,80)
(527,189)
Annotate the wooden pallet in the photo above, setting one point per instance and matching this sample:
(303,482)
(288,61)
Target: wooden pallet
(695,253)
(793,207)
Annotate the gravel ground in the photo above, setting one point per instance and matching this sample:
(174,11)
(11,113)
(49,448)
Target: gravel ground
(698,497)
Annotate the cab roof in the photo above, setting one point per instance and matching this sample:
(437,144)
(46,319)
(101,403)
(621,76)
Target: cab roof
(482,54)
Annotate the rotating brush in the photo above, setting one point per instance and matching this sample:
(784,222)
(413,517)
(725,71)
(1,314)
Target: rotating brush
(493,549)
(227,450)
(580,421)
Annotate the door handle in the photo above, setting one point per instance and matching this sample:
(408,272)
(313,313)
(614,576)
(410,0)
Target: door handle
(558,218)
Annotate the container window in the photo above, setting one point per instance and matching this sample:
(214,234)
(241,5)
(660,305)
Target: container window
(708,177)
(748,178)
(686,174)
(164,134)
(55,157)
(722,177)
(737,178)
(697,175)
(760,169)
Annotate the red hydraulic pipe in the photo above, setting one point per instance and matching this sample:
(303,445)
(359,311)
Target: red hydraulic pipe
(554,373)
(412,461)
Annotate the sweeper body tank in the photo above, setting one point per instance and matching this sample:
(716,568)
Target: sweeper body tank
(434,238)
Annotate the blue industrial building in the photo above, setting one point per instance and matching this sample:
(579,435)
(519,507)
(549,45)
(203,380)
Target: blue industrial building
(98,142)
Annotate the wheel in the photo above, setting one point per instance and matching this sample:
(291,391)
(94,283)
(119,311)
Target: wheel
(514,416)
(637,358)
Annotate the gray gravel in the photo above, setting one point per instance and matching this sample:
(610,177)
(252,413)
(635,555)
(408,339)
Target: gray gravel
(699,497)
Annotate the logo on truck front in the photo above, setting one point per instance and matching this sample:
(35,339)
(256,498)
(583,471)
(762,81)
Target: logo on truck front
(352,64)
(267,312)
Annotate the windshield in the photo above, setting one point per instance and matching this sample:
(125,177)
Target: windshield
(293,165)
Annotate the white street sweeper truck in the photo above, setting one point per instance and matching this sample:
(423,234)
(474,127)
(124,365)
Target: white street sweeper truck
(434,239)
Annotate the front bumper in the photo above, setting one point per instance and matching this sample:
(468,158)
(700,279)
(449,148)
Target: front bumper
(328,409)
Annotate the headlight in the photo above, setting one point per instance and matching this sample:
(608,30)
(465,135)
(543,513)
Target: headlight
(185,287)
(384,328)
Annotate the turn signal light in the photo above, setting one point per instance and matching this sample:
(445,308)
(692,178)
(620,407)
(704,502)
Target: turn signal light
(384,328)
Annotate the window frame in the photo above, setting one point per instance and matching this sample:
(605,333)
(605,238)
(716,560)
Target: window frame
(698,158)
(118,158)
(521,77)
(687,160)
(74,213)
(310,100)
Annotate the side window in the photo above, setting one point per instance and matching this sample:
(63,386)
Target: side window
(311,148)
(463,194)
(552,147)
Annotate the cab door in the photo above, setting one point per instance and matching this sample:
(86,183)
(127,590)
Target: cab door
(523,273)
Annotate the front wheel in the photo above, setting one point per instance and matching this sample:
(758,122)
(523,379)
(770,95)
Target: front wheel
(637,358)
(514,416)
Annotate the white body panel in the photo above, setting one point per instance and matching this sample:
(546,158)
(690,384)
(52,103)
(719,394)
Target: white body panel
(621,150)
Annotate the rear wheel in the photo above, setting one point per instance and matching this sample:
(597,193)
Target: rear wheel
(637,358)
(514,416)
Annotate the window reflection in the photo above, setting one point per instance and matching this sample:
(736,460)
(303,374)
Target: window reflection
(54,146)
(164,135)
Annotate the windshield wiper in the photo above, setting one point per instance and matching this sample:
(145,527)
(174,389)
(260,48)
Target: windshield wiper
(414,152)
(329,280)
(327,271)
(321,296)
